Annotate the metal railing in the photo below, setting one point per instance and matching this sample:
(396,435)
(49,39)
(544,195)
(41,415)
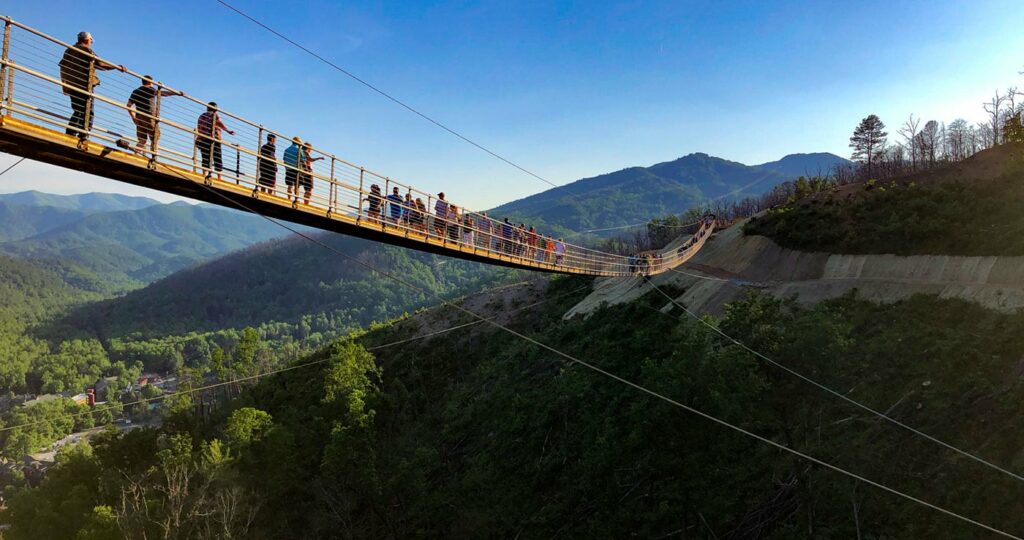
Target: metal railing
(89,98)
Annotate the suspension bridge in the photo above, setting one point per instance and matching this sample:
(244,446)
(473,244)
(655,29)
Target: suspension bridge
(63,105)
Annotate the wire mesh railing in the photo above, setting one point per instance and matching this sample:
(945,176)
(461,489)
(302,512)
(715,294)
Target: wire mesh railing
(66,87)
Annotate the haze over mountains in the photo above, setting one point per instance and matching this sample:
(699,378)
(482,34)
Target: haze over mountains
(86,202)
(636,194)
(122,242)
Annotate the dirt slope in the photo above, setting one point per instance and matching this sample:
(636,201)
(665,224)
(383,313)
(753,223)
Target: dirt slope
(731,262)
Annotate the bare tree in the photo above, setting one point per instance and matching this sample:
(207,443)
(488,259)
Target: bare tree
(909,134)
(984,137)
(1013,108)
(958,139)
(994,108)
(929,141)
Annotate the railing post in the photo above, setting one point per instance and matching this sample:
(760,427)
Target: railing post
(154,137)
(385,210)
(431,224)
(87,123)
(332,201)
(259,145)
(359,205)
(403,218)
(6,86)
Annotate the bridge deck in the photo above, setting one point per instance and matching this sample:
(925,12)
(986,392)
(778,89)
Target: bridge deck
(35,114)
(27,140)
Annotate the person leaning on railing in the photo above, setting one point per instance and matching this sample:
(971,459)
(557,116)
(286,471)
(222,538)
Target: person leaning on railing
(141,108)
(306,174)
(77,72)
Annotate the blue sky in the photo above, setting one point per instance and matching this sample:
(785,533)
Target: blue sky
(566,89)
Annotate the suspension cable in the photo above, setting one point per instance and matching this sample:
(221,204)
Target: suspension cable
(626,382)
(15,164)
(840,395)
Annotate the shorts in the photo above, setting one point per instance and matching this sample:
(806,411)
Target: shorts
(144,129)
(290,177)
(306,180)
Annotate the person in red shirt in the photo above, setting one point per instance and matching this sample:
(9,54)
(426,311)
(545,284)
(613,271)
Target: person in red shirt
(208,137)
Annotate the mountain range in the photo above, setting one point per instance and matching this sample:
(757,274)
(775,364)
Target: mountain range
(87,202)
(636,194)
(124,242)
(111,244)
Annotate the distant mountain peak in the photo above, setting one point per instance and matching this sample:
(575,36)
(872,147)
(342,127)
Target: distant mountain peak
(88,202)
(635,194)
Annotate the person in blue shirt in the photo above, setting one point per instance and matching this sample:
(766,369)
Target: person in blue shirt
(506,235)
(294,160)
(395,203)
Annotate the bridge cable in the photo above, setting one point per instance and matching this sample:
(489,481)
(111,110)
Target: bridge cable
(437,123)
(385,94)
(16,163)
(573,360)
(840,395)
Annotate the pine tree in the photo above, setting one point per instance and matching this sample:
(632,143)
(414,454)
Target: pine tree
(868,141)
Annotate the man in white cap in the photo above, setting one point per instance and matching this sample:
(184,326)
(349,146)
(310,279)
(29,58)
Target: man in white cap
(77,72)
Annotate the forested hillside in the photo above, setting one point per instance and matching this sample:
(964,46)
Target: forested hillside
(136,247)
(412,439)
(29,294)
(285,281)
(20,221)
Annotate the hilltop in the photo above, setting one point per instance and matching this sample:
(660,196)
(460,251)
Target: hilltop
(285,280)
(969,208)
(636,194)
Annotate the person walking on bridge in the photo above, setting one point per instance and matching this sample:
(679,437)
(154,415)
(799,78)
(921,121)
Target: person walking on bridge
(483,236)
(559,251)
(141,107)
(294,159)
(266,167)
(78,69)
(440,216)
(375,202)
(408,205)
(208,140)
(395,206)
(506,237)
